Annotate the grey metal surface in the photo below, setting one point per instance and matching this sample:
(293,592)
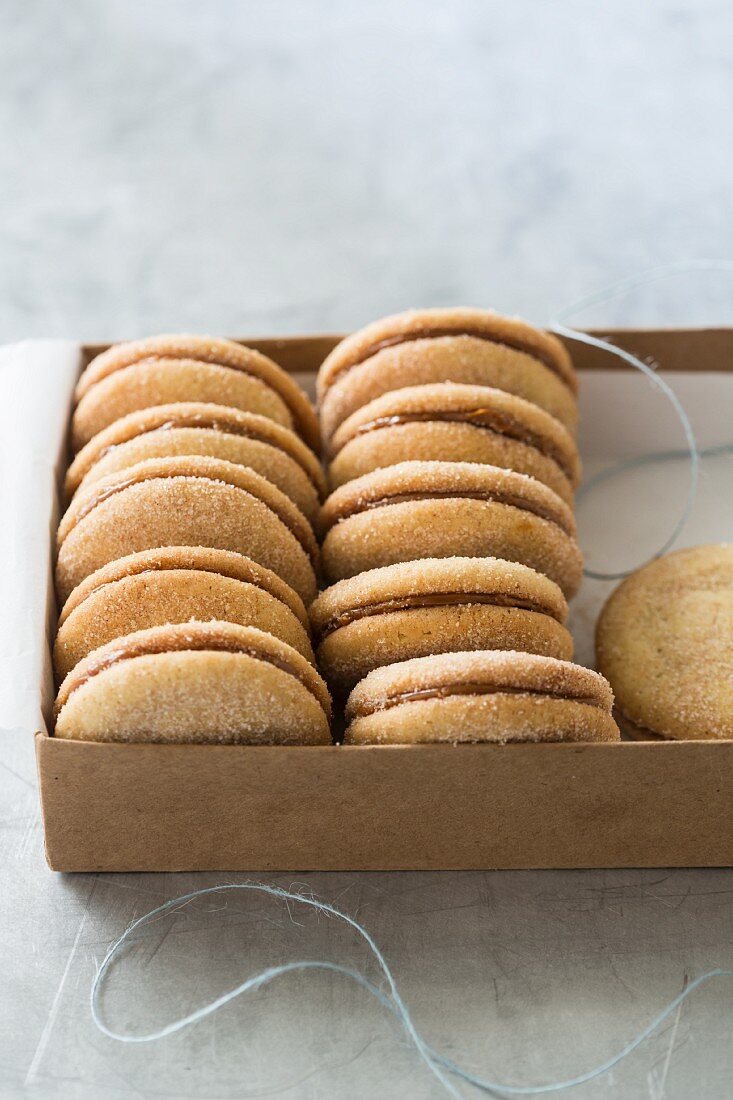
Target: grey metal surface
(243,167)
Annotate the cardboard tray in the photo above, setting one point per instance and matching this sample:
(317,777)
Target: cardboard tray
(109,807)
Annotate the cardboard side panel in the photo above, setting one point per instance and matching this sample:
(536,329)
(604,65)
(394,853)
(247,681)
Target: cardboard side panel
(156,807)
(703,349)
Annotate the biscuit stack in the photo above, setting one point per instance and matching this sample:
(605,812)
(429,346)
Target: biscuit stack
(186,556)
(449,540)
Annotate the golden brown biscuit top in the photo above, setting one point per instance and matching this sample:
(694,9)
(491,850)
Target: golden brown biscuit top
(196,637)
(480,406)
(225,563)
(193,467)
(407,481)
(207,349)
(488,671)
(665,641)
(431,323)
(203,415)
(436,582)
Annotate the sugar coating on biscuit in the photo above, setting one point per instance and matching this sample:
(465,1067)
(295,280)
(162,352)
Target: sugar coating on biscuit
(444,441)
(217,420)
(460,576)
(155,597)
(430,606)
(496,670)
(482,696)
(195,682)
(414,529)
(461,478)
(210,350)
(198,466)
(416,324)
(227,563)
(460,359)
(665,641)
(164,382)
(267,461)
(177,508)
(499,718)
(437,510)
(485,408)
(355,647)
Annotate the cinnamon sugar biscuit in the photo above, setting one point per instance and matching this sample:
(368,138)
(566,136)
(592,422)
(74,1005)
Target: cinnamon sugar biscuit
(163,369)
(176,584)
(455,423)
(437,605)
(485,696)
(195,428)
(447,509)
(665,641)
(473,346)
(195,682)
(185,501)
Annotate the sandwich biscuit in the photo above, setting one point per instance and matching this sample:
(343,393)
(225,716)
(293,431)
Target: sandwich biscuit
(215,431)
(480,697)
(455,423)
(472,346)
(438,605)
(186,501)
(195,682)
(176,584)
(448,509)
(164,369)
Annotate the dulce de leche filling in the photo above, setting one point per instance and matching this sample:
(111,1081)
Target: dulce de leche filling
(208,423)
(490,495)
(434,333)
(434,599)
(101,495)
(363,710)
(491,420)
(128,650)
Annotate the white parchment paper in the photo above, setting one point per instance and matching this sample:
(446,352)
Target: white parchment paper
(36,383)
(622,522)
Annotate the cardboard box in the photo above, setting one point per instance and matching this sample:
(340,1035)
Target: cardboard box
(110,807)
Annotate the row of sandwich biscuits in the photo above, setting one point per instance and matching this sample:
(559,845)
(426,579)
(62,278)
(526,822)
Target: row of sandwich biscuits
(449,539)
(186,556)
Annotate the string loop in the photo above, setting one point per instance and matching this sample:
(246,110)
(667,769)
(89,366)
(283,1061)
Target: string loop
(438,1064)
(608,294)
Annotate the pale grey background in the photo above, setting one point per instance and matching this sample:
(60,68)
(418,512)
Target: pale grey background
(252,168)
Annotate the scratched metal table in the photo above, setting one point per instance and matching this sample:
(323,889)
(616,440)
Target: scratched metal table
(239,167)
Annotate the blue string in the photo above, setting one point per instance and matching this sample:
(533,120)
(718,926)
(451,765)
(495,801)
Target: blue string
(607,294)
(439,1065)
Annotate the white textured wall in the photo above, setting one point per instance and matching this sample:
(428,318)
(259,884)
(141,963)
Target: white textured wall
(245,167)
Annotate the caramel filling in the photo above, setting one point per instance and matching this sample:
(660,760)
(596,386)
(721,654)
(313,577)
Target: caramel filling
(515,343)
(417,696)
(101,495)
(128,650)
(435,599)
(496,497)
(486,419)
(209,423)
